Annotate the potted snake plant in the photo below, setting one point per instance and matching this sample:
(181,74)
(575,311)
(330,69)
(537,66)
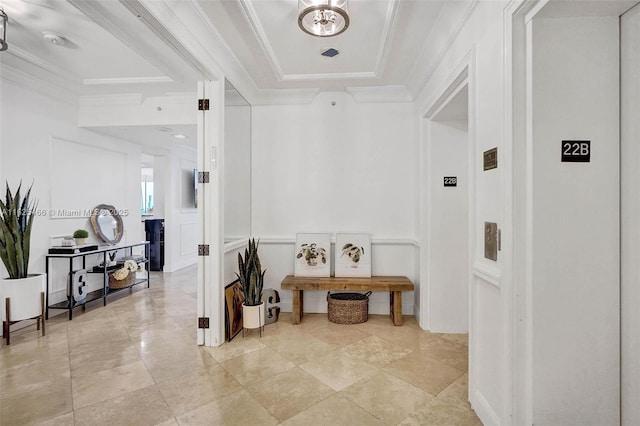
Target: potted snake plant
(21,293)
(251,278)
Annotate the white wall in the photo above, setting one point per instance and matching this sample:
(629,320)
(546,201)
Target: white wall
(576,254)
(630,208)
(237,172)
(180,218)
(348,167)
(41,143)
(448,263)
(478,44)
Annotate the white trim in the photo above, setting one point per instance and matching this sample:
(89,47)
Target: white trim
(418,77)
(462,75)
(388,34)
(181,264)
(126,80)
(483,409)
(487,273)
(329,76)
(391,241)
(517,228)
(384,94)
(263,40)
(62,92)
(235,245)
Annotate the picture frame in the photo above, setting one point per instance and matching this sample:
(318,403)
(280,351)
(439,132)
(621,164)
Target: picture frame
(234,298)
(312,255)
(353,254)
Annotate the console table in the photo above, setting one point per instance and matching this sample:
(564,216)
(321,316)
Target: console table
(125,250)
(395,285)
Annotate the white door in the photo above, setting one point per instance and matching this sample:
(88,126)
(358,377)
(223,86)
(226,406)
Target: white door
(630,213)
(209,298)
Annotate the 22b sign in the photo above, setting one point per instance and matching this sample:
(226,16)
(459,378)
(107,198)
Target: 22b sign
(576,151)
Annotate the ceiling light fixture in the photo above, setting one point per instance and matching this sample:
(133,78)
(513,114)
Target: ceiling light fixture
(3,29)
(323,18)
(53,38)
(180,136)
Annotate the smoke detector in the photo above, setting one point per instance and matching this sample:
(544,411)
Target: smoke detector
(53,38)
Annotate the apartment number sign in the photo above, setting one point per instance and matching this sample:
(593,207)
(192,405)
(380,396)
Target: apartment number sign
(450,181)
(576,151)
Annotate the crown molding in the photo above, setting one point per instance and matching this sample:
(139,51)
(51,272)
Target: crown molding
(381,94)
(187,28)
(50,89)
(120,99)
(68,80)
(453,14)
(345,75)
(388,33)
(285,96)
(254,21)
(126,80)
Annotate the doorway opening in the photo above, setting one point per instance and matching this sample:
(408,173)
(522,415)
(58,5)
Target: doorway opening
(447,295)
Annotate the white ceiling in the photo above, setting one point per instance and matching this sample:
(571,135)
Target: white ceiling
(155,47)
(116,48)
(107,49)
(379,48)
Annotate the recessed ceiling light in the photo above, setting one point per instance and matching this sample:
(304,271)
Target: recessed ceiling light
(180,136)
(165,129)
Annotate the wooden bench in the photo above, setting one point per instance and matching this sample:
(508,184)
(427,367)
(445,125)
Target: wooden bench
(395,285)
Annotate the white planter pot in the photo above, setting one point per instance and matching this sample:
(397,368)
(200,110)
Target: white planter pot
(253,316)
(25,296)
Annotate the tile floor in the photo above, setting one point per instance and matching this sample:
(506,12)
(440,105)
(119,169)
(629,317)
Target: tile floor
(135,362)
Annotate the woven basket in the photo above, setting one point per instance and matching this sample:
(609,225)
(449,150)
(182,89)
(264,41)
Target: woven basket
(115,284)
(348,308)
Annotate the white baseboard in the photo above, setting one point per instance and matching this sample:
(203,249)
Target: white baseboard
(483,409)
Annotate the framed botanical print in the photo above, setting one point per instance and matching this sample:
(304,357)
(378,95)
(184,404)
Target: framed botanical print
(353,255)
(312,255)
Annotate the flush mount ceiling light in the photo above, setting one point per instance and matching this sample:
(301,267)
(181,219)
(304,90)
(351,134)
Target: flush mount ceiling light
(323,18)
(3,29)
(53,38)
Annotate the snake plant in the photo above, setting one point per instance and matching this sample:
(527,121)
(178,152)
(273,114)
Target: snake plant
(16,219)
(251,275)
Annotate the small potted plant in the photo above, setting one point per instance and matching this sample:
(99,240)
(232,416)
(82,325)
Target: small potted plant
(251,277)
(312,254)
(80,235)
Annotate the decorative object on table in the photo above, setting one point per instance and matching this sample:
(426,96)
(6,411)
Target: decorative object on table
(312,255)
(348,308)
(107,223)
(78,285)
(80,236)
(124,276)
(22,295)
(68,242)
(353,255)
(271,296)
(234,298)
(251,277)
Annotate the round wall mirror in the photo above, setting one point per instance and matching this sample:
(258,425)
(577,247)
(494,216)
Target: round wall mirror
(107,223)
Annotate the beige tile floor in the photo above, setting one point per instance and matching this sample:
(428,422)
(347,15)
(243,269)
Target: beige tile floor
(135,362)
